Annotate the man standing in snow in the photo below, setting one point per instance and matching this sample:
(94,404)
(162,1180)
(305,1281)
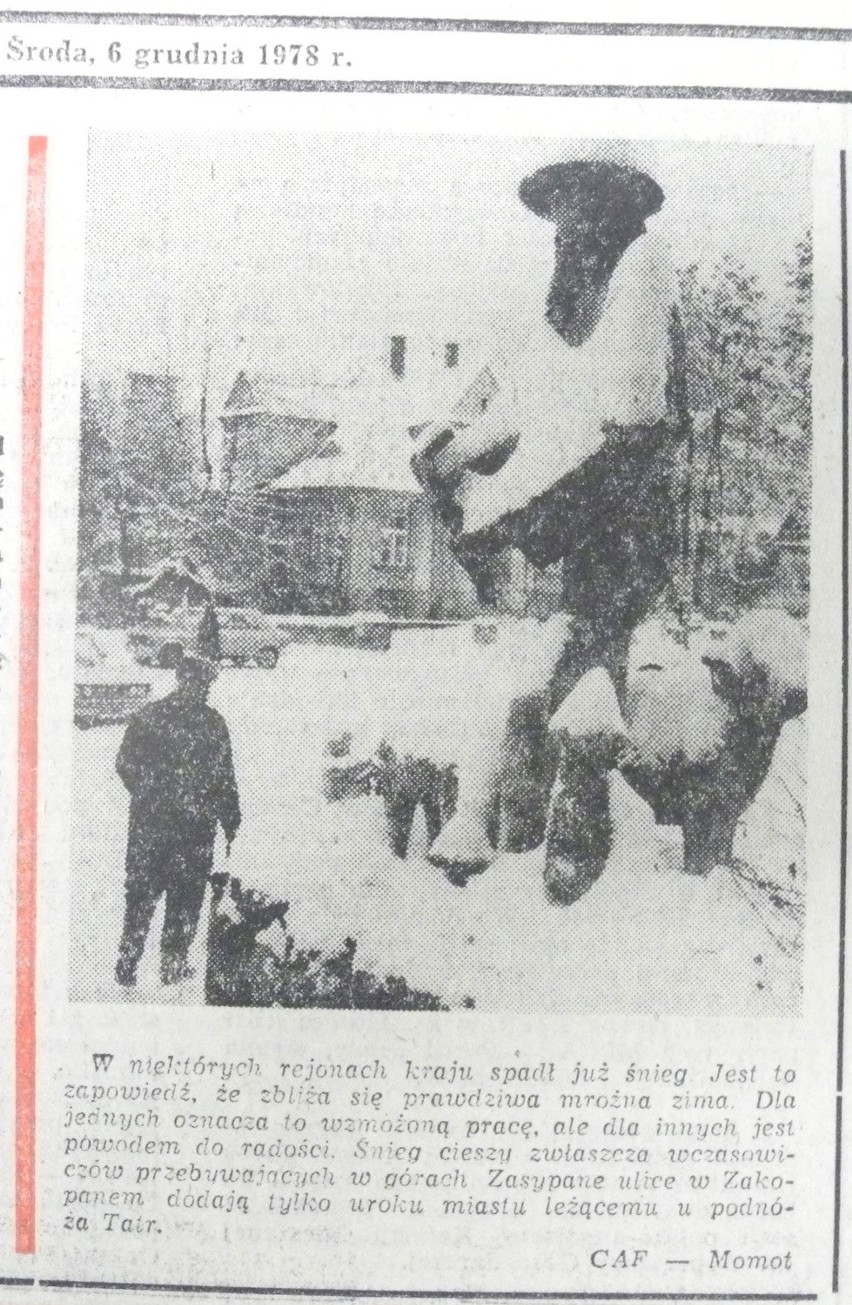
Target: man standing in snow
(175,761)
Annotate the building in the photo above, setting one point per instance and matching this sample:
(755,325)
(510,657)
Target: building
(268,427)
(323,473)
(794,561)
(154,452)
(350,530)
(270,423)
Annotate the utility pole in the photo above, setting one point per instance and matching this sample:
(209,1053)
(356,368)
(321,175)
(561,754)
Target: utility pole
(205,379)
(678,405)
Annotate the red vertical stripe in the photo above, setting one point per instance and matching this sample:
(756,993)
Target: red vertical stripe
(25,1004)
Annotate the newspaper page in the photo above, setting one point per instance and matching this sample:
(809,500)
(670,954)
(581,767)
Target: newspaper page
(423,615)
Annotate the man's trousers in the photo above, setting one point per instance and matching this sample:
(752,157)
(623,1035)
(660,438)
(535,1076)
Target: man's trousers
(176,863)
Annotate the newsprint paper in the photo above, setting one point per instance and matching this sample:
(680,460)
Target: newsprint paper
(423,651)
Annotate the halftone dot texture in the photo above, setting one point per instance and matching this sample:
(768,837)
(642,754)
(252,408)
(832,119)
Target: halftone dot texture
(274,326)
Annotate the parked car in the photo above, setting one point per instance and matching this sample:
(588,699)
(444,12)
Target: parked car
(246,636)
(108,687)
(159,627)
(249,638)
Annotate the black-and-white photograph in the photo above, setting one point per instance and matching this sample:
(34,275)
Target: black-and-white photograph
(443,574)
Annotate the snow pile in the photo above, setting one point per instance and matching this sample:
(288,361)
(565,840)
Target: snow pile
(770,842)
(442,694)
(643,939)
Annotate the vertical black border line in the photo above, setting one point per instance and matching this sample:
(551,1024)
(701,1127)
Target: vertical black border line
(844,720)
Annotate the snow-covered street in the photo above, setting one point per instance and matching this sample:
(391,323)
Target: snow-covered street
(645,938)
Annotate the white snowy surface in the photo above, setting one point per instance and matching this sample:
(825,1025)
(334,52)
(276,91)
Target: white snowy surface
(771,835)
(771,840)
(644,939)
(104,657)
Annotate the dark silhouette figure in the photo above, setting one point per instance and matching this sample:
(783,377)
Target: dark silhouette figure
(175,761)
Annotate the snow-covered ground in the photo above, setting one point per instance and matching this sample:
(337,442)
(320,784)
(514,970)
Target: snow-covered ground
(644,938)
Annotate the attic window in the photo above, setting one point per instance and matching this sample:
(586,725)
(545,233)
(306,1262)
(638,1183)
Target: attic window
(451,354)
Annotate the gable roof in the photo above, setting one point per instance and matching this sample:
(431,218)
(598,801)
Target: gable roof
(367,451)
(372,444)
(173,579)
(259,394)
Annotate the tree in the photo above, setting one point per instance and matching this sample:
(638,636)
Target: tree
(748,362)
(789,376)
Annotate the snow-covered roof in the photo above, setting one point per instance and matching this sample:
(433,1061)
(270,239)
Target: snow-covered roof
(181,576)
(372,445)
(374,456)
(256,395)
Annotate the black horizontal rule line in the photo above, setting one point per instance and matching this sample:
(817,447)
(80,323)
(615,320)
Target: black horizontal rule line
(490,26)
(337,1292)
(782,95)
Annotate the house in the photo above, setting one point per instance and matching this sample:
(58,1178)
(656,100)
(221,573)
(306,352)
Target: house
(349,530)
(322,471)
(794,557)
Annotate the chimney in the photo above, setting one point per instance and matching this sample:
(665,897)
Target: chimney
(397,356)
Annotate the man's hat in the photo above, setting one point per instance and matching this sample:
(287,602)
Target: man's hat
(606,187)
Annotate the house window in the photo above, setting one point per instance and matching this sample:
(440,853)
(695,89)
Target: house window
(394,543)
(451,355)
(328,548)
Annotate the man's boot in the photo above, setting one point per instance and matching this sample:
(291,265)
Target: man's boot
(125,972)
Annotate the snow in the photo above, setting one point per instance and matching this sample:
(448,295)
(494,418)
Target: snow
(104,657)
(559,400)
(772,832)
(644,939)
(591,707)
(770,841)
